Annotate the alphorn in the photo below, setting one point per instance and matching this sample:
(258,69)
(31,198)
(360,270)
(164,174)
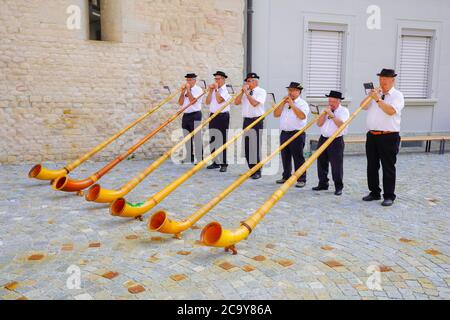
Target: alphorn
(100,195)
(121,208)
(41,173)
(69,185)
(160,221)
(214,235)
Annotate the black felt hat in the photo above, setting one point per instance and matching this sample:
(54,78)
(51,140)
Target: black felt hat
(388,73)
(251,75)
(220,73)
(295,85)
(191,76)
(335,94)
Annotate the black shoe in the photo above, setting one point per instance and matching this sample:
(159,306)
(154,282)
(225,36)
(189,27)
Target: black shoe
(213,166)
(256,176)
(387,203)
(281,181)
(338,193)
(320,188)
(371,197)
(223,168)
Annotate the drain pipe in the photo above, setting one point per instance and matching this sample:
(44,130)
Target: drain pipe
(249,40)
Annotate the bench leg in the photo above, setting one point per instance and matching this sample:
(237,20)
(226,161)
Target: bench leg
(442,147)
(427,146)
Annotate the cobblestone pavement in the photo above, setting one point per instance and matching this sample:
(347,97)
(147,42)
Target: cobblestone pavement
(310,245)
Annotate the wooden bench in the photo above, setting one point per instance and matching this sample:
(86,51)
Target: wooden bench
(427,139)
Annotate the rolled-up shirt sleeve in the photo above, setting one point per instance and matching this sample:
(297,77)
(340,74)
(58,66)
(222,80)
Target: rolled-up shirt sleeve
(303,107)
(398,102)
(197,92)
(260,96)
(224,93)
(343,115)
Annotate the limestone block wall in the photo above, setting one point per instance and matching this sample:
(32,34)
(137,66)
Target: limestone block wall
(61,94)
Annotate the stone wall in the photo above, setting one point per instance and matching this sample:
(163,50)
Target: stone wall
(61,94)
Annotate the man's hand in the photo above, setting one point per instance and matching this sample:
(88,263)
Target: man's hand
(187,86)
(245,88)
(290,102)
(375,95)
(329,112)
(213,86)
(183,87)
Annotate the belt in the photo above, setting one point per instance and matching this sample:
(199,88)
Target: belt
(292,131)
(379,133)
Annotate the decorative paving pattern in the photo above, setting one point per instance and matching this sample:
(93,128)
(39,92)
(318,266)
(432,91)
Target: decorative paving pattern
(310,246)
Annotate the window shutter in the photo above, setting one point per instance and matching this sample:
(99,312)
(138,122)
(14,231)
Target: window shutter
(415,66)
(325,51)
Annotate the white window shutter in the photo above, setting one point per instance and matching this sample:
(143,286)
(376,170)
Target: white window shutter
(414,71)
(325,53)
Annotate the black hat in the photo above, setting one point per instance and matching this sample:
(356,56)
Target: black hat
(191,76)
(220,73)
(295,85)
(335,94)
(251,75)
(389,73)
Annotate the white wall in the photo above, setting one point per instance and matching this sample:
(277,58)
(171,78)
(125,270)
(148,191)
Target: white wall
(278,50)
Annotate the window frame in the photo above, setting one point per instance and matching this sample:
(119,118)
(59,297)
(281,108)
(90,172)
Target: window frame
(422,33)
(93,8)
(331,22)
(422,28)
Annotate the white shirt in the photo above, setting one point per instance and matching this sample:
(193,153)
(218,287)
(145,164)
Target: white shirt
(249,111)
(378,120)
(329,127)
(214,106)
(196,92)
(289,120)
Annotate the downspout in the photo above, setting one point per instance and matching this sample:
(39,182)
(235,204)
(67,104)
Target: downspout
(249,40)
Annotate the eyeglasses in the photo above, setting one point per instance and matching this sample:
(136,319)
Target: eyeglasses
(217,79)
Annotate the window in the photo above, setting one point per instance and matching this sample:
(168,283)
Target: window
(415,63)
(95,25)
(325,54)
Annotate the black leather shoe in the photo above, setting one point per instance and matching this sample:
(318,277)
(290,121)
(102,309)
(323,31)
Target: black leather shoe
(371,198)
(320,188)
(213,166)
(387,203)
(256,176)
(281,181)
(338,193)
(223,169)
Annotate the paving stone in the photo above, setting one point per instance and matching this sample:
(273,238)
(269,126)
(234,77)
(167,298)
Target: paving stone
(410,242)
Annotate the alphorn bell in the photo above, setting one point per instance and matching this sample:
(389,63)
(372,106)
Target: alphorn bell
(214,235)
(160,222)
(100,195)
(41,173)
(69,185)
(121,208)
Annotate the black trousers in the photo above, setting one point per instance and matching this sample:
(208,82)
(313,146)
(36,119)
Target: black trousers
(293,151)
(253,142)
(333,155)
(189,123)
(219,134)
(382,148)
